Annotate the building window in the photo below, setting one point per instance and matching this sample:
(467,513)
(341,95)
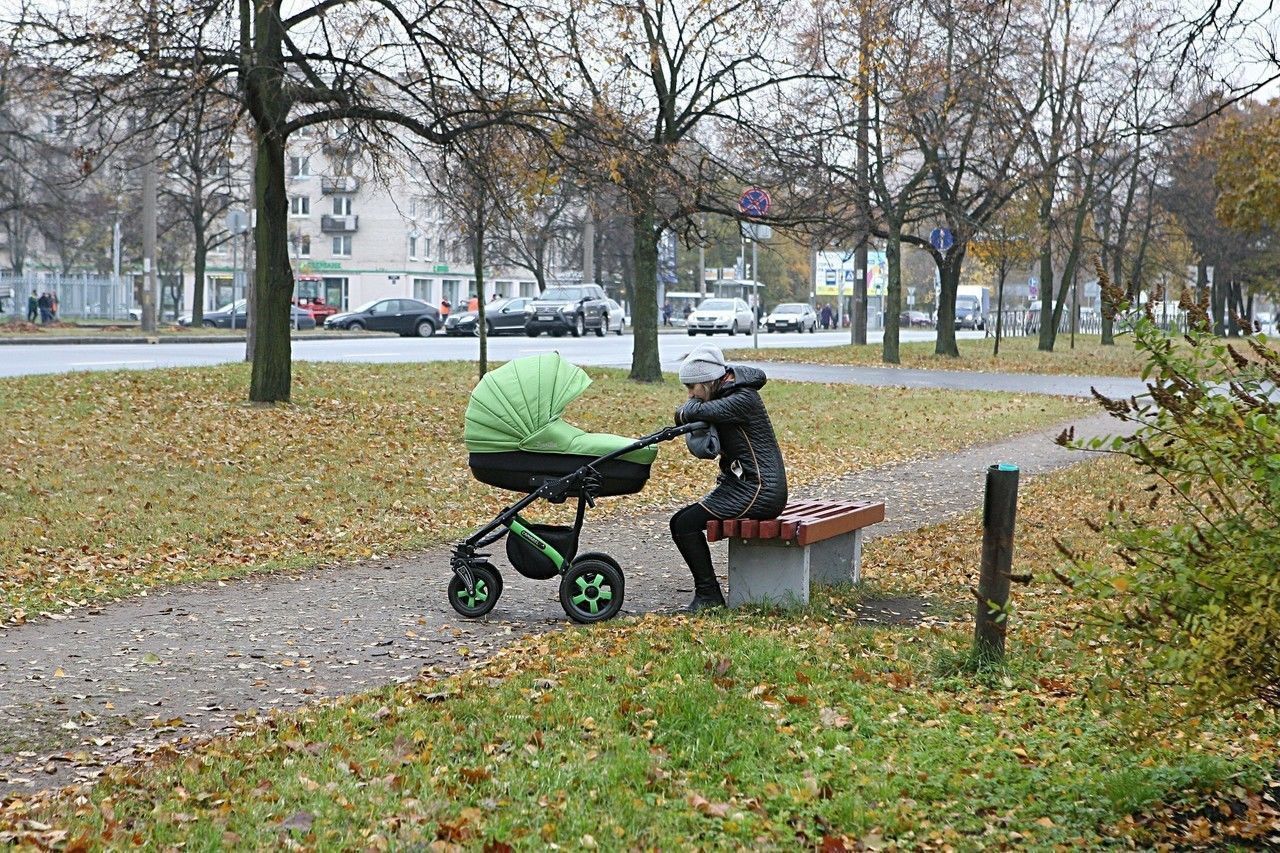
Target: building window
(300,205)
(413,247)
(301,244)
(422,289)
(342,205)
(451,286)
(342,246)
(299,167)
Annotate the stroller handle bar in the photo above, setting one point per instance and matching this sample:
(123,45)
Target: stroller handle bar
(664,434)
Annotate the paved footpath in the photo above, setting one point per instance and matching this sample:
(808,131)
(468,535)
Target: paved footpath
(116,683)
(955,380)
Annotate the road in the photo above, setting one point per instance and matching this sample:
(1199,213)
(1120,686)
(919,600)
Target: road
(609,351)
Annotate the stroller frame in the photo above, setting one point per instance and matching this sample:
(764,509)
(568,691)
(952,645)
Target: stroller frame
(582,575)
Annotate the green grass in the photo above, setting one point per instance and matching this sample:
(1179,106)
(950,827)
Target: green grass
(766,730)
(116,482)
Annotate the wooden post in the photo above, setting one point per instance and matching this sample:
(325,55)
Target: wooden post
(999,513)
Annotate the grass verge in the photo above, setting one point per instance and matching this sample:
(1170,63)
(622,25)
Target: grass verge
(746,729)
(116,482)
(1017,355)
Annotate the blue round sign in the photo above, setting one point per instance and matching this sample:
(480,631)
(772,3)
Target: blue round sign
(941,239)
(754,202)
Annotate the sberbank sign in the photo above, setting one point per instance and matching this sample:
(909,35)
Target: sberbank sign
(322,265)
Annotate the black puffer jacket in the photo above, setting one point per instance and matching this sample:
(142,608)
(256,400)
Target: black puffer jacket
(752,481)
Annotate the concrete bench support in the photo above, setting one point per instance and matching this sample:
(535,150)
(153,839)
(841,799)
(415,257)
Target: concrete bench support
(776,560)
(775,571)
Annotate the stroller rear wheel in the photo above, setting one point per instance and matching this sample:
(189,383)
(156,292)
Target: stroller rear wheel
(592,590)
(482,599)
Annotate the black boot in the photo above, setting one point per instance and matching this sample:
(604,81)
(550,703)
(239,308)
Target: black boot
(706,589)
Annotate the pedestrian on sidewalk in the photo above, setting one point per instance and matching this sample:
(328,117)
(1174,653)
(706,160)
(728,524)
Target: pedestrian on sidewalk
(826,316)
(444,309)
(33,307)
(45,305)
(666,313)
(53,306)
(752,481)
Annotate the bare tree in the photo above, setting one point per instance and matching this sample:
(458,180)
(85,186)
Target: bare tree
(371,65)
(665,94)
(200,145)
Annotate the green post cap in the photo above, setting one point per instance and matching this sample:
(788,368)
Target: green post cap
(1006,466)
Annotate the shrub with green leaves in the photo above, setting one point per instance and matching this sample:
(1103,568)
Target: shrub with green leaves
(1197,599)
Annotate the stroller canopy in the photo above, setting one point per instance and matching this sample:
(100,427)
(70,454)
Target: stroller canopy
(518,407)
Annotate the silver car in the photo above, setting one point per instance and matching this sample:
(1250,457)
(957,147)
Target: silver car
(721,315)
(615,321)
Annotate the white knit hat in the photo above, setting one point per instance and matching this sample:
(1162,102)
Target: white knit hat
(704,364)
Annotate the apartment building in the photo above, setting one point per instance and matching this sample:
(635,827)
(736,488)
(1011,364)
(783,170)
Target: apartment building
(352,240)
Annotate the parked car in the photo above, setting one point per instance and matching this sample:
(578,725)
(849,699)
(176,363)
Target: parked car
(721,315)
(502,316)
(572,309)
(915,318)
(615,320)
(792,317)
(235,316)
(317,308)
(403,316)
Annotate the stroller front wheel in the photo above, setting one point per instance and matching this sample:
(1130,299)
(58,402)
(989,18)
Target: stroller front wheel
(592,590)
(482,599)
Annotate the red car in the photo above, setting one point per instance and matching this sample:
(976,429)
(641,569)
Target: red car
(316,307)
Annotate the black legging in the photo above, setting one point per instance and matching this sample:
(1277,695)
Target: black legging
(691,519)
(687,528)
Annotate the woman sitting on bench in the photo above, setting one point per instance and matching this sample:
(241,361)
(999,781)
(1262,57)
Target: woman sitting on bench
(752,481)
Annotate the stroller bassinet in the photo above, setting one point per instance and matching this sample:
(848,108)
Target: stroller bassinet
(517,440)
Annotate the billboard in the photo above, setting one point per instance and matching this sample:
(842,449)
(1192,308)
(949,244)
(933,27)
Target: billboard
(837,274)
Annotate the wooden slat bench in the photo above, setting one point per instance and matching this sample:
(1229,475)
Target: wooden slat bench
(775,560)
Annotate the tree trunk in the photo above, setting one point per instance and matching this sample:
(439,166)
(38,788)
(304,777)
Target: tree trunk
(477,263)
(949,278)
(1219,296)
(201,261)
(1004,273)
(893,294)
(273,278)
(645,363)
(1048,331)
(271,378)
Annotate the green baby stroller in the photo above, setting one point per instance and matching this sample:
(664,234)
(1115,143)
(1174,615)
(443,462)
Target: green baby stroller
(517,441)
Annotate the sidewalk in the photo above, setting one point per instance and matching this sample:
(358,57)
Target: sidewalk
(956,380)
(117,683)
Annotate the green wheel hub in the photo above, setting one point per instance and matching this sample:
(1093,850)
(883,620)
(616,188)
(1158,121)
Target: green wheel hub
(592,591)
(474,599)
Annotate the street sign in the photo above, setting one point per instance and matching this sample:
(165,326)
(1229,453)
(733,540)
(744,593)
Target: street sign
(754,202)
(831,276)
(756,231)
(942,239)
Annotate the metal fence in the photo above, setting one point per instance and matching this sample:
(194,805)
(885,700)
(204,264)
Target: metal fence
(80,296)
(1024,322)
